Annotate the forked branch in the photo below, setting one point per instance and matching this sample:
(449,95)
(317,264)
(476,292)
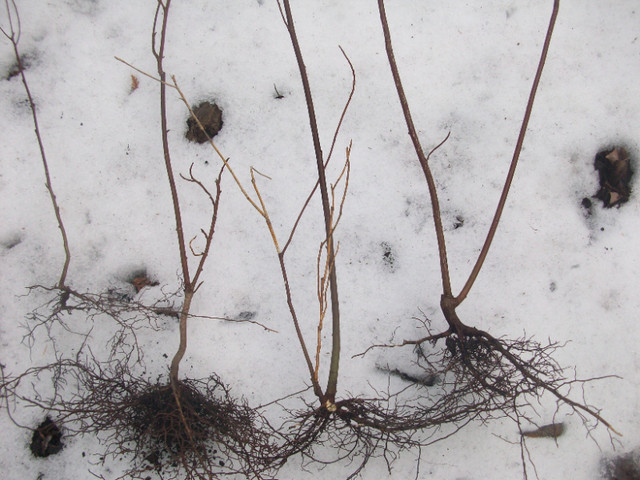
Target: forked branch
(495,365)
(424,161)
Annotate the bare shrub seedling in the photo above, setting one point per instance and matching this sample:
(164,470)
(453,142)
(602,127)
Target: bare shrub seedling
(484,375)
(180,428)
(62,301)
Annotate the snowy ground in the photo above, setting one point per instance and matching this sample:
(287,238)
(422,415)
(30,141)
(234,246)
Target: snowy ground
(467,68)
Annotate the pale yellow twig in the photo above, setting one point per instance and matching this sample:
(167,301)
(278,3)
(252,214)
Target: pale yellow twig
(328,264)
(144,73)
(263,210)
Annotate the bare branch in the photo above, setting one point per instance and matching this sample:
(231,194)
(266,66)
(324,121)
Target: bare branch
(13,35)
(234,320)
(514,161)
(335,137)
(424,160)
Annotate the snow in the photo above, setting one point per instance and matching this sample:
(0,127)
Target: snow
(467,67)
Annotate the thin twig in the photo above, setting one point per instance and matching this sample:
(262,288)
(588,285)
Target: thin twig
(333,143)
(14,37)
(235,320)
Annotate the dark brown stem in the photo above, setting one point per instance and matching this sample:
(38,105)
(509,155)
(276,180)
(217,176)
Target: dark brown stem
(326,207)
(449,303)
(514,161)
(13,36)
(424,160)
(158,53)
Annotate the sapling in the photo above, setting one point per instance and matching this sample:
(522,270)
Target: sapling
(353,428)
(332,204)
(194,424)
(503,375)
(184,428)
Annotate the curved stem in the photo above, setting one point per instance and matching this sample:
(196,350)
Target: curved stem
(514,161)
(182,347)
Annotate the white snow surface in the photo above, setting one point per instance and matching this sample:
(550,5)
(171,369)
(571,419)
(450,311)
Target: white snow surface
(467,67)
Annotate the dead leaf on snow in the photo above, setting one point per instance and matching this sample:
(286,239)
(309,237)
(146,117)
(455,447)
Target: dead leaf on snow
(614,170)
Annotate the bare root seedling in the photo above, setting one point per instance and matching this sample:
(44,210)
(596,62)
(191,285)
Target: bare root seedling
(177,428)
(63,301)
(485,376)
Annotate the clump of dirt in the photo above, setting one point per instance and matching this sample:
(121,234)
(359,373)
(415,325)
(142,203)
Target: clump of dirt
(46,439)
(177,428)
(622,467)
(614,169)
(210,116)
